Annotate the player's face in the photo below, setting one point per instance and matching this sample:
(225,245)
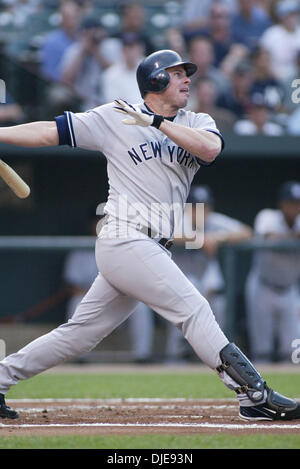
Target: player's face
(290,209)
(177,93)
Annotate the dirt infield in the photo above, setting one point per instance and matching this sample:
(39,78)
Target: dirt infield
(133,416)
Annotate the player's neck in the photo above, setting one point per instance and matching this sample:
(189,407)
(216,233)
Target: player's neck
(164,109)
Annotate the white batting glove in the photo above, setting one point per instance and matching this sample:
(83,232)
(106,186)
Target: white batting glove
(137,117)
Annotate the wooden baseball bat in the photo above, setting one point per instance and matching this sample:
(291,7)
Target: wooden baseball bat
(13,180)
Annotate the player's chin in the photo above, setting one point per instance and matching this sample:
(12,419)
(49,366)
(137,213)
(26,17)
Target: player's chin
(183,100)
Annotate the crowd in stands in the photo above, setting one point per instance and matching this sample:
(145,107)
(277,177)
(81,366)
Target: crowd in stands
(86,53)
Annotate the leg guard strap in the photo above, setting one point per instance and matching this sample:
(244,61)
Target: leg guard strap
(241,370)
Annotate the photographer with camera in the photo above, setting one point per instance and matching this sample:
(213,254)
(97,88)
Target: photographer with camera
(85,60)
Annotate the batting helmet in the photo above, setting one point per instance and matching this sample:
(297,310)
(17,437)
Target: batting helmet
(200,194)
(151,74)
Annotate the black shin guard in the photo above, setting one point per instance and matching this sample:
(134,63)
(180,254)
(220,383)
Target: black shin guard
(241,370)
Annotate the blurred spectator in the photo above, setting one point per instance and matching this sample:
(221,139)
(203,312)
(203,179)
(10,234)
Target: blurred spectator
(202,54)
(219,30)
(133,21)
(258,120)
(174,40)
(195,14)
(237,98)
(119,80)
(249,23)
(271,289)
(264,81)
(283,40)
(238,53)
(56,42)
(206,94)
(84,62)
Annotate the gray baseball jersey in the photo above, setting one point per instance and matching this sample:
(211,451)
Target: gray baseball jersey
(148,173)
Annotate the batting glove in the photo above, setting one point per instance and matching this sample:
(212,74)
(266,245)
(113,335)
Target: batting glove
(137,117)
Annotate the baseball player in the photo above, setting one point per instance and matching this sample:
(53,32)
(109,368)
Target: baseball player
(272,285)
(153,150)
(201,266)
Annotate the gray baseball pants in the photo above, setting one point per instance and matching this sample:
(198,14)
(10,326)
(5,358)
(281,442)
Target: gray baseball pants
(271,314)
(130,270)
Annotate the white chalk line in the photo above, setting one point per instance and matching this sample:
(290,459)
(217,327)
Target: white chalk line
(224,426)
(106,402)
(121,407)
(123,400)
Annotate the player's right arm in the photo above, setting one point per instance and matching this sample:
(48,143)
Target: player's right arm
(85,130)
(34,134)
(268,225)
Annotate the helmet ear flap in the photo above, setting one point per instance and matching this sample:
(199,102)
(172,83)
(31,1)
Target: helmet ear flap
(159,80)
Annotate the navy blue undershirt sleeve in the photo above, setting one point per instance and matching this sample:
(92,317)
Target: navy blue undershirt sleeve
(65,130)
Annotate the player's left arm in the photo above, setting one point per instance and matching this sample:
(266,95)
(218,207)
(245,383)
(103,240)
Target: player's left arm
(203,144)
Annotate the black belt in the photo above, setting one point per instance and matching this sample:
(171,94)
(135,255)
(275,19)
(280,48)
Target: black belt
(165,242)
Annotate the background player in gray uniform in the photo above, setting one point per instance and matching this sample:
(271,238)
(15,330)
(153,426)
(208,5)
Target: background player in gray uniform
(151,161)
(202,266)
(272,287)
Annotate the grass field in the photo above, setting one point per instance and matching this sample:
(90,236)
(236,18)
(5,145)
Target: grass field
(154,442)
(139,385)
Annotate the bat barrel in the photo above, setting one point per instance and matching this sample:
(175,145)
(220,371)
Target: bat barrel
(14,181)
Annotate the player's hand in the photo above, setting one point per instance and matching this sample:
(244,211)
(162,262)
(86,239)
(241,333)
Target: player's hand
(211,246)
(137,117)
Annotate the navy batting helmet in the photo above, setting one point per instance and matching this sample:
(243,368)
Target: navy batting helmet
(152,75)
(200,194)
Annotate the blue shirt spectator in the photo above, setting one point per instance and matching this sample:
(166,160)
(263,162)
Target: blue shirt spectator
(249,24)
(52,53)
(56,42)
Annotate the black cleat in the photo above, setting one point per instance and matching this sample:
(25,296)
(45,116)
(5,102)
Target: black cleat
(276,407)
(5,411)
